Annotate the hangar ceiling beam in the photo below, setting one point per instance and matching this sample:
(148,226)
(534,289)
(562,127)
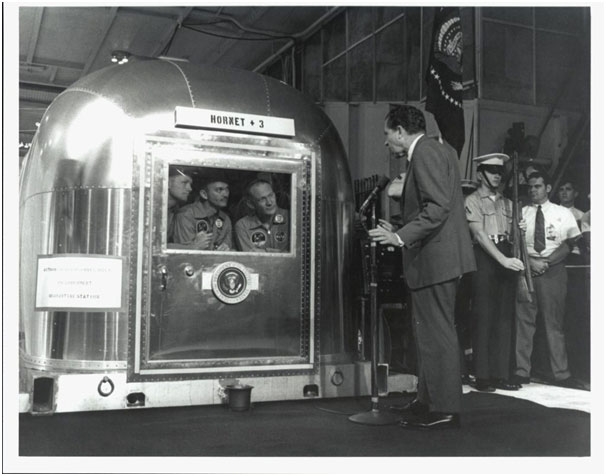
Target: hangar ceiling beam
(165,41)
(108,25)
(33,41)
(303,35)
(229,44)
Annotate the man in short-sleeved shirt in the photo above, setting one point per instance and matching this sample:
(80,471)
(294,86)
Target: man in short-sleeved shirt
(547,251)
(268,229)
(560,227)
(489,215)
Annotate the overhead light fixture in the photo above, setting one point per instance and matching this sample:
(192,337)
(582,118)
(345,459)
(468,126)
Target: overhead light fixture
(120,57)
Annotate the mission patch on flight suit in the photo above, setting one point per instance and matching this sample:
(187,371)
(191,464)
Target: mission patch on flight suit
(253,235)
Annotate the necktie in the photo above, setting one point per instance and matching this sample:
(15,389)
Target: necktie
(539,231)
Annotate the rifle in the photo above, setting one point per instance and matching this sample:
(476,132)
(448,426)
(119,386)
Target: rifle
(525,286)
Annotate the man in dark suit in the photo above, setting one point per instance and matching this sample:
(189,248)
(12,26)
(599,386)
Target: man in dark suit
(437,250)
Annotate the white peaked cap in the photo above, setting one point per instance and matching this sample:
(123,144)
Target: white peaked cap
(491,159)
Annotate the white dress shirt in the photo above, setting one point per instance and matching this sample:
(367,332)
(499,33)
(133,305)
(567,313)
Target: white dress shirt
(560,226)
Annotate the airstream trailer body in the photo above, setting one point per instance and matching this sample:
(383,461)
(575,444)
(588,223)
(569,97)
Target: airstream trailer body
(113,315)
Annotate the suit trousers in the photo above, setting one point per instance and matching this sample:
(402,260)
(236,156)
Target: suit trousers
(493,301)
(437,346)
(549,299)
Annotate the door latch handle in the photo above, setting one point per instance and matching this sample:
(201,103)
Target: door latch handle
(164,277)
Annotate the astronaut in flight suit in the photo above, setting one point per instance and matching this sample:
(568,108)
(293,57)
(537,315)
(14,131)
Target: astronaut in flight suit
(203,225)
(267,229)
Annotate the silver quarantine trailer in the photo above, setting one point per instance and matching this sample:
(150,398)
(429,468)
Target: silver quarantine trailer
(113,315)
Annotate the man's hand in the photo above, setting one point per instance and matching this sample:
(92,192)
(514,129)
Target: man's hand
(223,247)
(384,234)
(388,226)
(538,266)
(513,264)
(522,225)
(202,240)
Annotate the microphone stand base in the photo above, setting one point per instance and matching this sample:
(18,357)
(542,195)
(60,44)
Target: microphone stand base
(375,417)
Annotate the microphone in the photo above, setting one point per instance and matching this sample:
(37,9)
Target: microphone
(381,184)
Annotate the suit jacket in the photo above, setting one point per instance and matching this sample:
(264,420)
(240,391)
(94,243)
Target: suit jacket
(437,242)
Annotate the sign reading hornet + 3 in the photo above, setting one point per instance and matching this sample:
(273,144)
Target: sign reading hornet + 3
(234,121)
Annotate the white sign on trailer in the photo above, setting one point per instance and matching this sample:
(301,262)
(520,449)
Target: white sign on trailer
(79,283)
(233,121)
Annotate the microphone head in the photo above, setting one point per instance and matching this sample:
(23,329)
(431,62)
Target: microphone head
(382,183)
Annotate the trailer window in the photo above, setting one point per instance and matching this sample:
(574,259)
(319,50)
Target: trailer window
(228,210)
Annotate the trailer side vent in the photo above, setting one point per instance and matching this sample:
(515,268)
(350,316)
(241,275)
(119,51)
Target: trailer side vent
(310,391)
(136,399)
(43,397)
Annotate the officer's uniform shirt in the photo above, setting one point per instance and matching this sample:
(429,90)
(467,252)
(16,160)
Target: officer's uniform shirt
(560,226)
(495,214)
(253,235)
(194,218)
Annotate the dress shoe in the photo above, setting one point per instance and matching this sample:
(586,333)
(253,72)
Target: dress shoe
(414,407)
(519,380)
(503,384)
(570,382)
(484,385)
(432,421)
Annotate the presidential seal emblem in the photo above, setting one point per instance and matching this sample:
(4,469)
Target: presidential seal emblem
(230,282)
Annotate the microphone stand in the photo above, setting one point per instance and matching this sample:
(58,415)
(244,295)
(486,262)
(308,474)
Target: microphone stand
(374,416)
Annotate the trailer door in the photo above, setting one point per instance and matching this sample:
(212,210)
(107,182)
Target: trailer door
(206,313)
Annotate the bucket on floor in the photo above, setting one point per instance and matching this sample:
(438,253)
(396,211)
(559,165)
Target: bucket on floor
(238,397)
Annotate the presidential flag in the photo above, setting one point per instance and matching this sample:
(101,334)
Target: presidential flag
(444,76)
